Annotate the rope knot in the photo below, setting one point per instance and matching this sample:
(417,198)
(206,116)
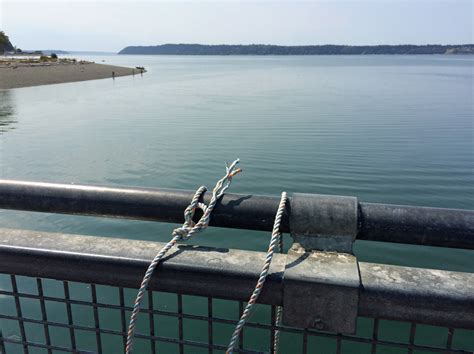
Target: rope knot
(182,232)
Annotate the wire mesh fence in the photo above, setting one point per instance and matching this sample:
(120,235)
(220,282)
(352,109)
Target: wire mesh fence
(51,316)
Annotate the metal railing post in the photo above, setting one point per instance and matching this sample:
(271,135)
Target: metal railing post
(322,280)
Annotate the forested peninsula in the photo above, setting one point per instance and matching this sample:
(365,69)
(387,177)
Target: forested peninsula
(263,49)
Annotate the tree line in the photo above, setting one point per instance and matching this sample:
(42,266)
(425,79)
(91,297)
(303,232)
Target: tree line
(262,49)
(5,44)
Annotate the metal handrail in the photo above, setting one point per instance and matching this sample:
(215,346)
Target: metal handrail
(377,222)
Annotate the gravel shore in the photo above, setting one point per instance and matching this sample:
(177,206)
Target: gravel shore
(16,76)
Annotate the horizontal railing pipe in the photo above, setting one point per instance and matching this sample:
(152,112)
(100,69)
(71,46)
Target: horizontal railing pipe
(428,296)
(416,225)
(376,222)
(165,205)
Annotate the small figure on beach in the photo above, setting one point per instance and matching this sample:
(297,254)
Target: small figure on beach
(142,69)
(113,75)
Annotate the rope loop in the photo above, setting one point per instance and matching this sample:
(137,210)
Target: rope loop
(189,224)
(191,208)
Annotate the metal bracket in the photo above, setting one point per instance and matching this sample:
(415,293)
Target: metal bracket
(321,290)
(322,281)
(323,222)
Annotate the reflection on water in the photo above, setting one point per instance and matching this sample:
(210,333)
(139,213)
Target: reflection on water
(7,112)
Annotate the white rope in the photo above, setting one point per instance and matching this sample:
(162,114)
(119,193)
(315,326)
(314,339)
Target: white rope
(274,244)
(185,232)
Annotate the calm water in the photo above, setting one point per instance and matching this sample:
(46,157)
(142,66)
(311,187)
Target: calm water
(393,129)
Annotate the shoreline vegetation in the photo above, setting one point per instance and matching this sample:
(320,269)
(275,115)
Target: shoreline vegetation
(17,72)
(263,49)
(5,44)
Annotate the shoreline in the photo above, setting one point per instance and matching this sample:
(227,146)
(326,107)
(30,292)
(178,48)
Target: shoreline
(17,75)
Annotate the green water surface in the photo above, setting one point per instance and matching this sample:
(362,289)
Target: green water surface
(391,129)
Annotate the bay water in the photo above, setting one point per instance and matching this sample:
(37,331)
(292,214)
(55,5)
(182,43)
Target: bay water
(388,129)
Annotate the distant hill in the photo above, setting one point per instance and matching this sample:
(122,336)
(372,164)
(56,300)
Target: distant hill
(263,49)
(5,44)
(72,52)
(50,51)
(89,52)
(63,52)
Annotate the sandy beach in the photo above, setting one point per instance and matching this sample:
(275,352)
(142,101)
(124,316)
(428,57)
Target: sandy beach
(22,75)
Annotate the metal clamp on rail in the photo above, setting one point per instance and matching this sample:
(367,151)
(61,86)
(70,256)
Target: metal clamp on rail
(322,281)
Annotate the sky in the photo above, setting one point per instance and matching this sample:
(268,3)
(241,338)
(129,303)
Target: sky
(106,25)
